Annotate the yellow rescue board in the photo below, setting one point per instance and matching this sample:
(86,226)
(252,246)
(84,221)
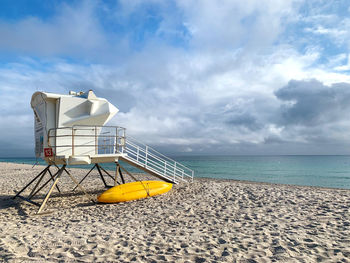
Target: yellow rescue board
(134,191)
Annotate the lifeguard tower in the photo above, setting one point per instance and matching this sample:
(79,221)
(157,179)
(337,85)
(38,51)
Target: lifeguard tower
(70,130)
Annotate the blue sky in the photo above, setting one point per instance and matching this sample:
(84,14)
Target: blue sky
(189,77)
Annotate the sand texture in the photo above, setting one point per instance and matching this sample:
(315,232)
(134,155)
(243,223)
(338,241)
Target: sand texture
(206,221)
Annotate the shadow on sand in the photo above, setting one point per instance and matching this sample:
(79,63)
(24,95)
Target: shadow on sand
(7,202)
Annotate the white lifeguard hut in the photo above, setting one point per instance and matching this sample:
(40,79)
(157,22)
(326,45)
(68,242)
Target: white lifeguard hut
(70,130)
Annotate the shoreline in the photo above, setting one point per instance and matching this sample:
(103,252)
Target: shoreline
(209,178)
(220,220)
(271,184)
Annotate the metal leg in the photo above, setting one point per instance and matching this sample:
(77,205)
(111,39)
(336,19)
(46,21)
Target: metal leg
(116,173)
(84,177)
(58,189)
(121,175)
(36,186)
(59,173)
(99,170)
(107,173)
(36,177)
(53,177)
(133,177)
(37,191)
(29,201)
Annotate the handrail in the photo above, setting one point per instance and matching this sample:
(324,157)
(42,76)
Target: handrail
(161,168)
(154,156)
(167,164)
(168,167)
(164,156)
(171,166)
(135,145)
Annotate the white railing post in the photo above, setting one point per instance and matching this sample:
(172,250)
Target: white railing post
(165,167)
(116,141)
(174,170)
(124,140)
(146,155)
(72,141)
(123,143)
(96,149)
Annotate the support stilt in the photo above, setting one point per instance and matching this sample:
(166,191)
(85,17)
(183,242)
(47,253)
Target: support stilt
(107,172)
(36,186)
(59,173)
(116,173)
(28,200)
(53,177)
(99,171)
(133,177)
(58,189)
(119,172)
(36,177)
(39,181)
(121,175)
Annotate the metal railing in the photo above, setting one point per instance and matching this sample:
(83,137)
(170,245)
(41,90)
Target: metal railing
(156,162)
(87,140)
(95,140)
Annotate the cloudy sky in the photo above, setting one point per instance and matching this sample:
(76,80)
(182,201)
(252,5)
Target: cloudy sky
(189,77)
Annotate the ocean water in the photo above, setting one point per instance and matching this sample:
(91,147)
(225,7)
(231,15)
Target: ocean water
(324,171)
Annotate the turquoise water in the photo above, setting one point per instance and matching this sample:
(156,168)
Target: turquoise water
(325,171)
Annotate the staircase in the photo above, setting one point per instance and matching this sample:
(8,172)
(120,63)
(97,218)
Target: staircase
(155,163)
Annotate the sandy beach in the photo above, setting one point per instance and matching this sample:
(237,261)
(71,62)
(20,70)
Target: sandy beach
(206,221)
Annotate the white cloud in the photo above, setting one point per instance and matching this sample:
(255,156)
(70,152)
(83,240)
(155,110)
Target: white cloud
(328,20)
(74,30)
(233,24)
(345,67)
(216,92)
